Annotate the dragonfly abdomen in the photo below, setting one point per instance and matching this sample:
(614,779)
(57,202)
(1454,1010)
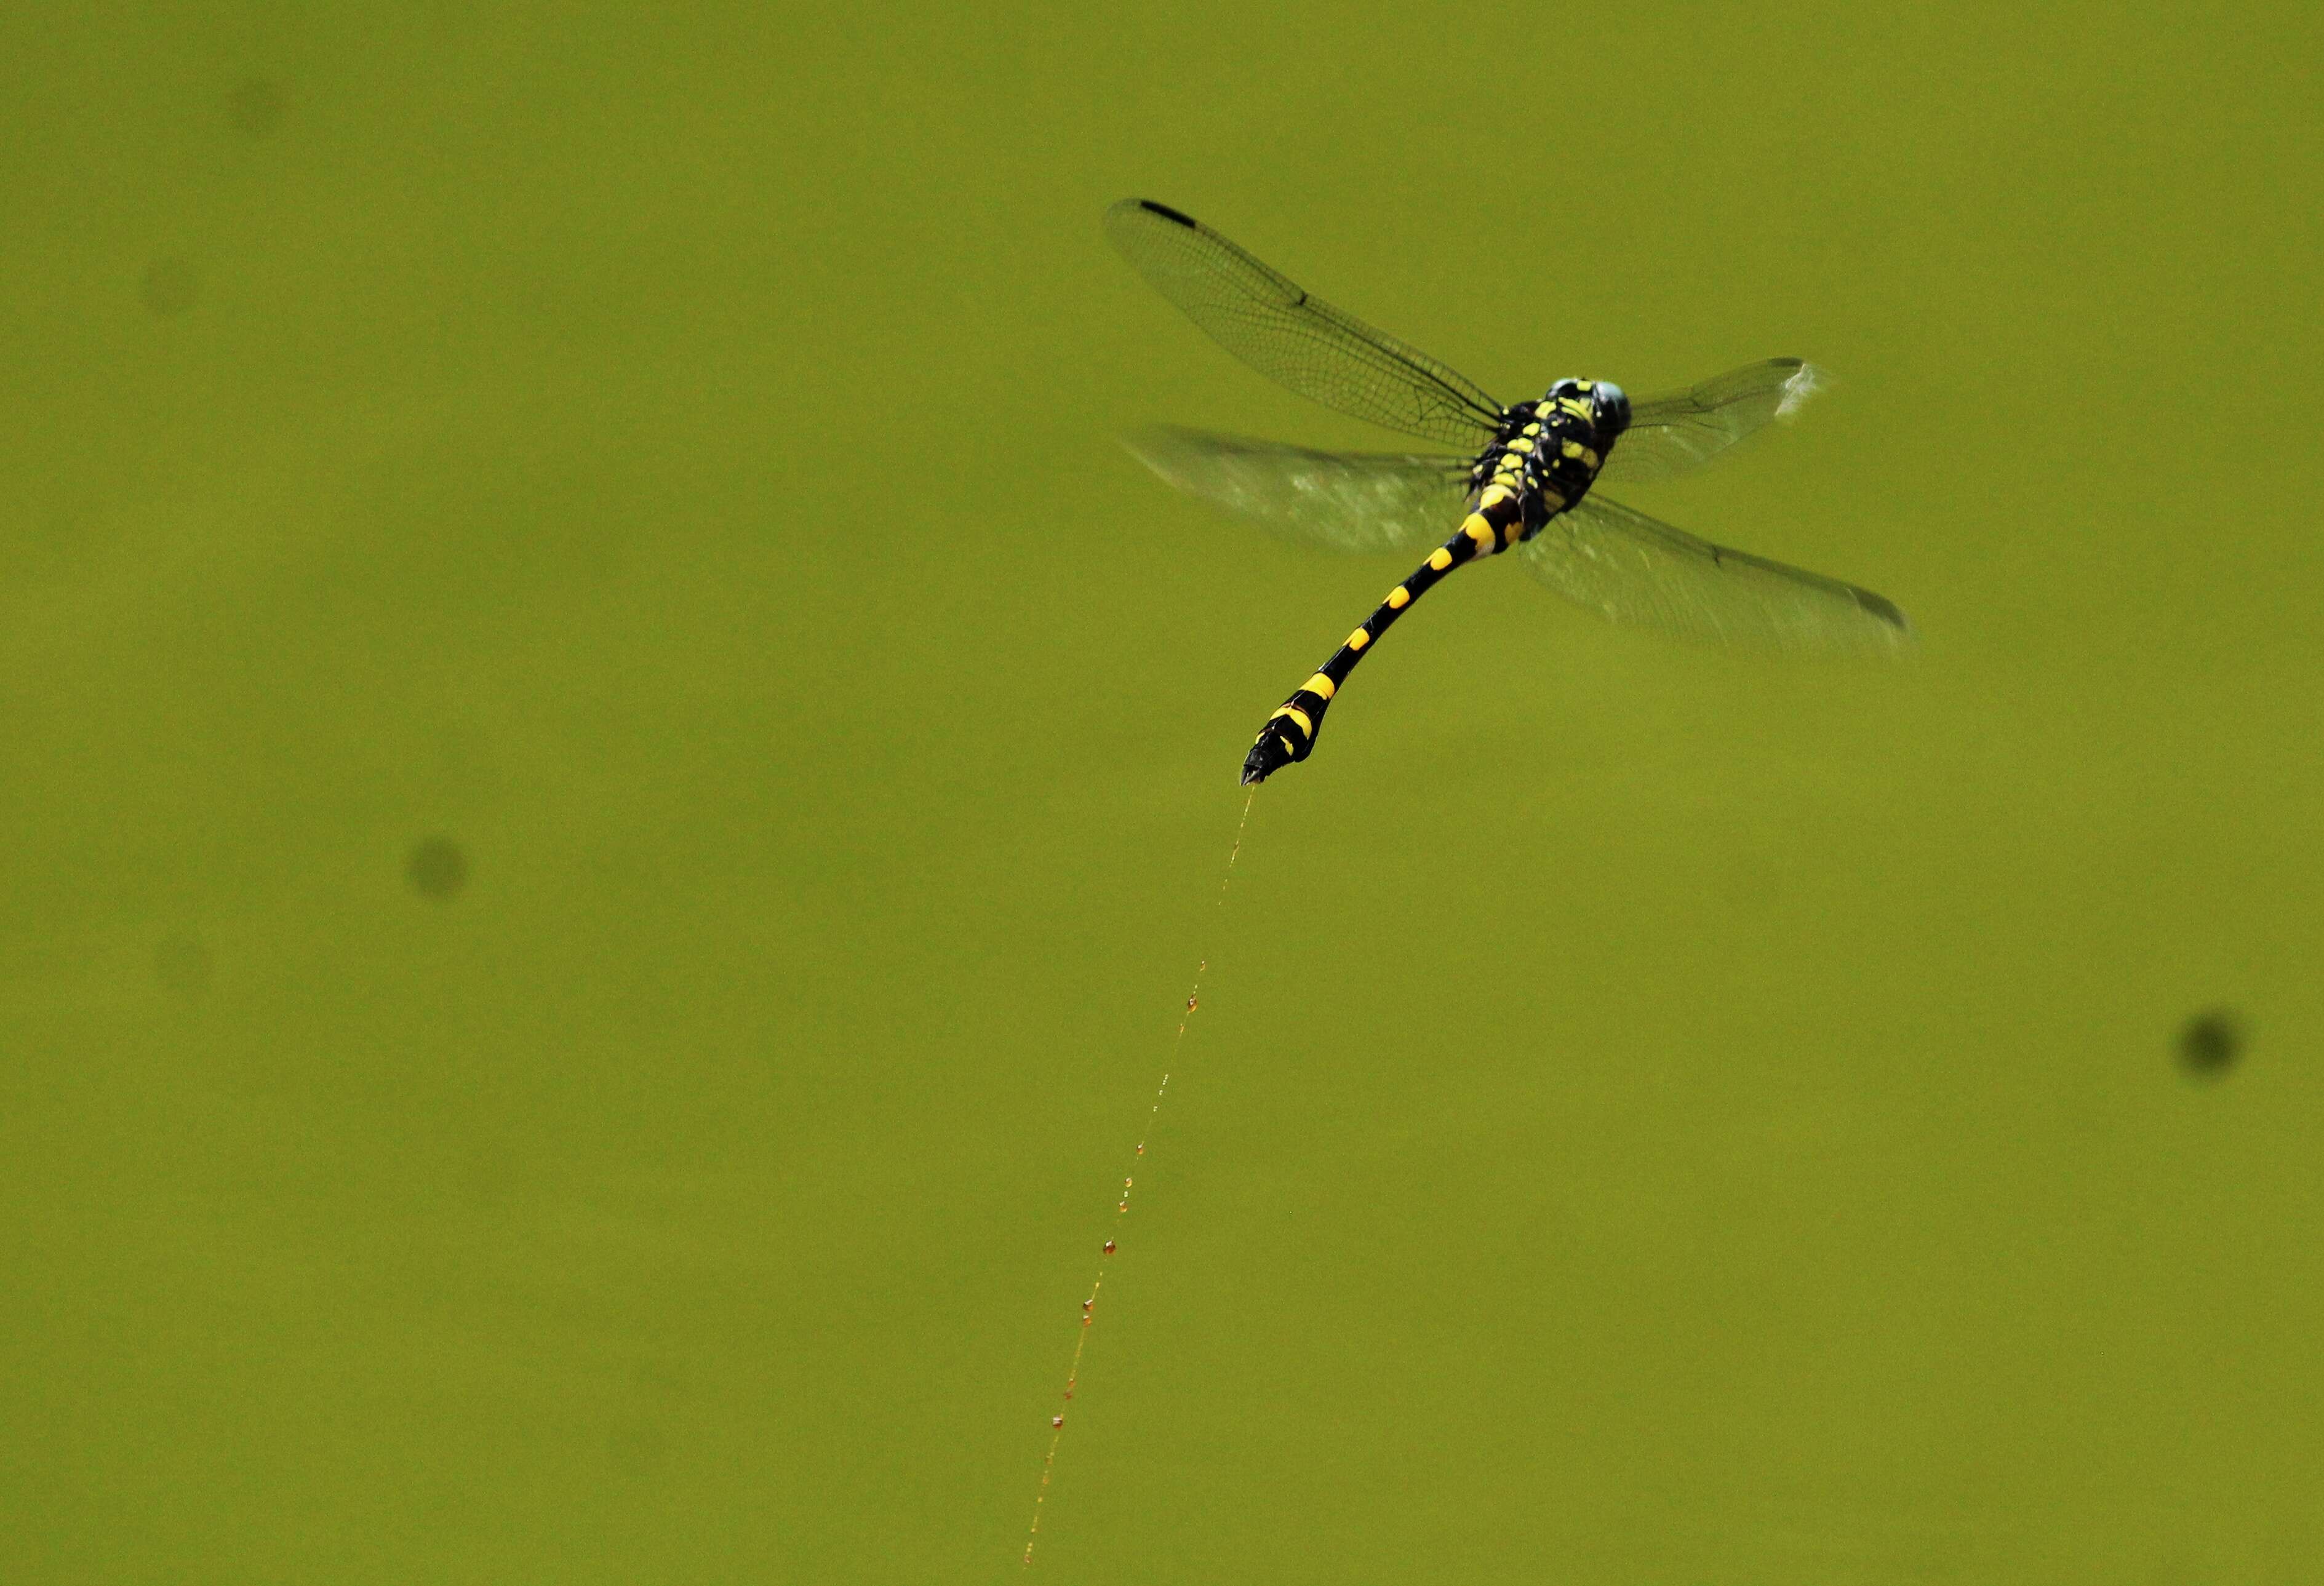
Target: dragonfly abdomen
(1289,735)
(1542,459)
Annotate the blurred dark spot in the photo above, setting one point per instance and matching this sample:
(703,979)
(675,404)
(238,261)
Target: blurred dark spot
(171,286)
(488,1178)
(637,1447)
(182,965)
(660,1378)
(2211,1042)
(254,108)
(439,868)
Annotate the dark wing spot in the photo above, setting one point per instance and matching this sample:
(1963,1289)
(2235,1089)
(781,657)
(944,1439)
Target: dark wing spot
(1884,609)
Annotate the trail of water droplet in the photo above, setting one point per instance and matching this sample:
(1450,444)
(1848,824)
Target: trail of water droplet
(1122,1208)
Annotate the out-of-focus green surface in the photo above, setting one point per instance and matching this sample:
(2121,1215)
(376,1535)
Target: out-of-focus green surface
(611,786)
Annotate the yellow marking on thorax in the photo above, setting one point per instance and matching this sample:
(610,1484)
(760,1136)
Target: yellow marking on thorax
(1495,495)
(1578,409)
(1321,686)
(1572,448)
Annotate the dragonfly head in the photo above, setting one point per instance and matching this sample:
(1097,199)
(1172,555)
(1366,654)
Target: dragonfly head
(1608,404)
(1611,406)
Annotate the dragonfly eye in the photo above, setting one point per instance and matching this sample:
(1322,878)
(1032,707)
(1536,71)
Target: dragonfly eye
(1613,409)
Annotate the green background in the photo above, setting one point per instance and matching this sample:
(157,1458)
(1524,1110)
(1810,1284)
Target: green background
(1652,1116)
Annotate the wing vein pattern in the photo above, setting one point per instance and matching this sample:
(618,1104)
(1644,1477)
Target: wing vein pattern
(1675,432)
(1633,569)
(1294,337)
(1356,502)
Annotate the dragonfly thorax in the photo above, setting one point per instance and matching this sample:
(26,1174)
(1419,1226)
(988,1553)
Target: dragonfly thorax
(1545,455)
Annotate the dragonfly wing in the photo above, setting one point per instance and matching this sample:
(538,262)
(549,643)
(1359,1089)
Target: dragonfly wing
(1630,568)
(1359,501)
(1678,431)
(1295,339)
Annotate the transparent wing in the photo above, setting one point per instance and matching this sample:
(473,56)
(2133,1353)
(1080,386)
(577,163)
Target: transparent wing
(1678,431)
(1630,568)
(1296,340)
(1359,501)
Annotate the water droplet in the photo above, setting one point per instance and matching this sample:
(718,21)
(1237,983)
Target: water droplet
(1088,1320)
(1109,1246)
(1123,1207)
(1057,1420)
(1141,1149)
(1192,1004)
(1087,1303)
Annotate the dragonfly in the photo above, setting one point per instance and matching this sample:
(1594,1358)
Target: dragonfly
(1523,480)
